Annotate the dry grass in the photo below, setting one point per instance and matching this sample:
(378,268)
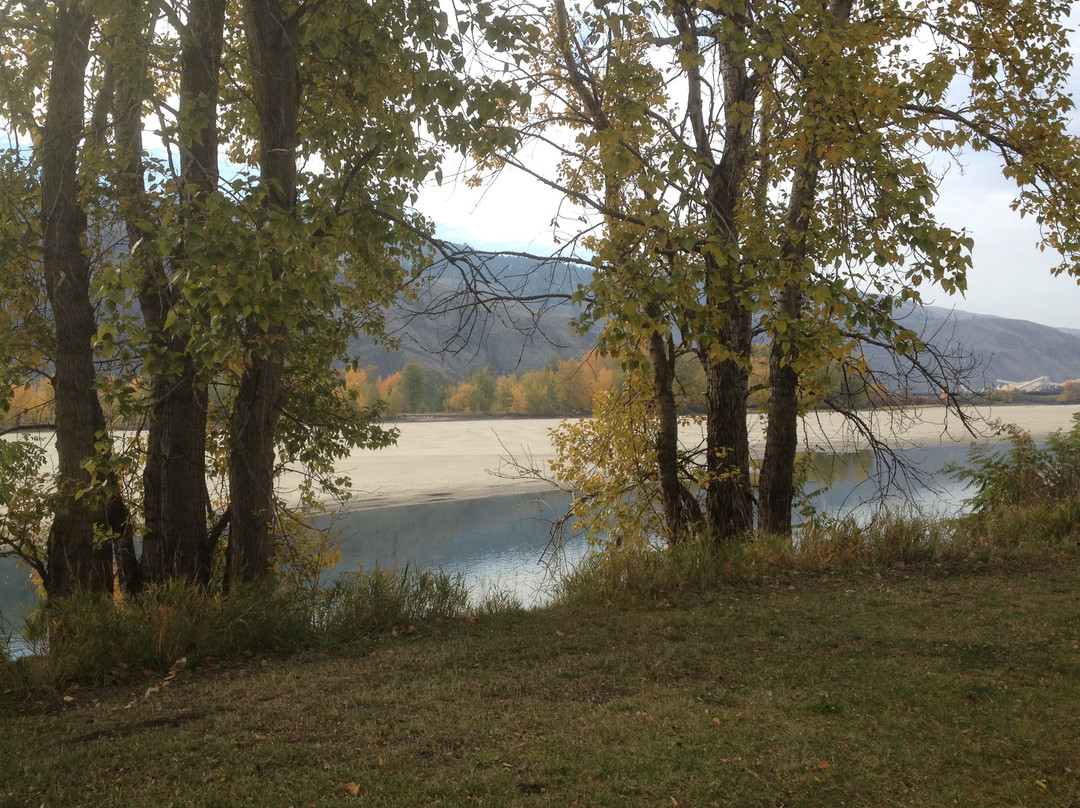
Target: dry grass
(915,685)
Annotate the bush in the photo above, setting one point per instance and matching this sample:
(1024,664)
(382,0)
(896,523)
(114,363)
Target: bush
(1023,474)
(96,638)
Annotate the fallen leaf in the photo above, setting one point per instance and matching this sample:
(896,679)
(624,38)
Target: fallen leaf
(716,722)
(352,789)
(823,764)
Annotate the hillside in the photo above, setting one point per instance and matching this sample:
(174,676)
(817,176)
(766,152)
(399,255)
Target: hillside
(1001,349)
(514,337)
(523,320)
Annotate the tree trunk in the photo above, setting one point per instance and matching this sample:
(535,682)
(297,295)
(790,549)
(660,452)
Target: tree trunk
(176,500)
(681,510)
(175,496)
(729,499)
(276,82)
(73,561)
(175,475)
(776,484)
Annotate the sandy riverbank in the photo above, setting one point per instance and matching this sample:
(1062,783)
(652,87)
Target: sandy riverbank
(465,459)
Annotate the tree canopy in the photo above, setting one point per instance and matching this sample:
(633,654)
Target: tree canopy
(209,200)
(204,201)
(768,171)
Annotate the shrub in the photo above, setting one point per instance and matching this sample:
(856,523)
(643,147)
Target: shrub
(1023,473)
(90,637)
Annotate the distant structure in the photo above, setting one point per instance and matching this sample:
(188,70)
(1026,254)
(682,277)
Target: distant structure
(1039,385)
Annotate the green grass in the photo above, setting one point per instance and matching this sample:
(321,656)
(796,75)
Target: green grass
(920,684)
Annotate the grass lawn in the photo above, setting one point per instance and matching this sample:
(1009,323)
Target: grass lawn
(921,687)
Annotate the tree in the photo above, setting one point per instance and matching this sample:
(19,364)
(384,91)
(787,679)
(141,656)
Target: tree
(482,395)
(248,291)
(1071,393)
(176,503)
(77,558)
(772,165)
(413,384)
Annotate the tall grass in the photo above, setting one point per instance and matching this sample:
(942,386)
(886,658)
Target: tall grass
(823,545)
(96,638)
(92,638)
(381,599)
(1026,503)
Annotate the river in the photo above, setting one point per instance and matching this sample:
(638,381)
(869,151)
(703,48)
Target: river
(449,496)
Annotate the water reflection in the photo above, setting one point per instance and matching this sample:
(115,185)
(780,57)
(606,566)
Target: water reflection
(498,542)
(859,483)
(495,543)
(18,595)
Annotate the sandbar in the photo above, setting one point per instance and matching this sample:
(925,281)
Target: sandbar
(444,458)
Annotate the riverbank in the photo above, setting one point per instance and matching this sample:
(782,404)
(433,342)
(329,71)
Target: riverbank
(917,686)
(439,458)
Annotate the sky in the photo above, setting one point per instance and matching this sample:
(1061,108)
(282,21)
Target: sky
(1009,277)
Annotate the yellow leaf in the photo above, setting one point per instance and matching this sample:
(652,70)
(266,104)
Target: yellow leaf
(352,789)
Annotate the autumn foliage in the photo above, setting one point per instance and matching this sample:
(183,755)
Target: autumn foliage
(566,387)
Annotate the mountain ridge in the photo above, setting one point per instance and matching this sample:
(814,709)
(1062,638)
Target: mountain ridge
(512,337)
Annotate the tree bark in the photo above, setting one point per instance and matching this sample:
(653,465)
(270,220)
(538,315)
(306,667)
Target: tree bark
(776,483)
(724,337)
(729,499)
(680,507)
(175,496)
(74,563)
(177,502)
(272,40)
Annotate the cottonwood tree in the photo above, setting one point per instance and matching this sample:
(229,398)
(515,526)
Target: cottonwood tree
(175,499)
(367,96)
(56,49)
(229,302)
(871,121)
(787,175)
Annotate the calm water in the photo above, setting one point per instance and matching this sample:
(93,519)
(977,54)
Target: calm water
(499,542)
(495,542)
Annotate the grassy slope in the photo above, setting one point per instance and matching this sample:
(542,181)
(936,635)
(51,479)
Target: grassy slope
(919,688)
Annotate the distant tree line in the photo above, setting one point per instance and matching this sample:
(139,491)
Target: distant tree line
(561,387)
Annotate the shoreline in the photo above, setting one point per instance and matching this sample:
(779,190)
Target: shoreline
(440,458)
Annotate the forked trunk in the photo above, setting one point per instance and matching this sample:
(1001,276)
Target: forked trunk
(74,562)
(272,38)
